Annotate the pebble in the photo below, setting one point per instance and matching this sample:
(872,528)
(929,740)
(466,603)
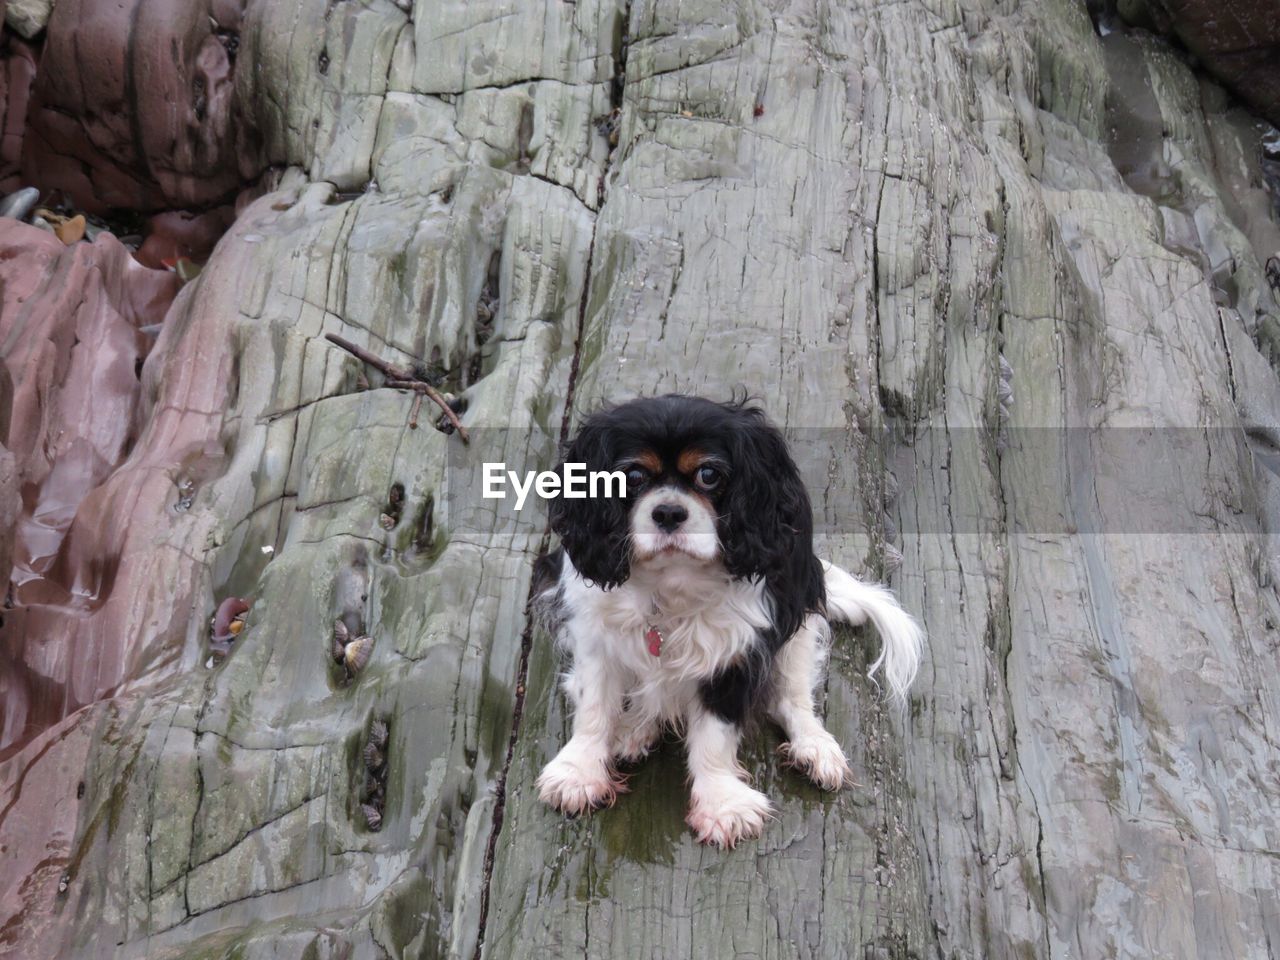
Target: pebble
(19,203)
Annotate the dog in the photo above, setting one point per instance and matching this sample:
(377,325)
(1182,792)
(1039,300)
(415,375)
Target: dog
(694,603)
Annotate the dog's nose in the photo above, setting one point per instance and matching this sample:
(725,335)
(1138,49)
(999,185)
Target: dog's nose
(668,516)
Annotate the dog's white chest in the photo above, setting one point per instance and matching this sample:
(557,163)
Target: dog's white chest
(678,631)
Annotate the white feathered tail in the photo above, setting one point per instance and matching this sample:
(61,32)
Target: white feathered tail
(851,601)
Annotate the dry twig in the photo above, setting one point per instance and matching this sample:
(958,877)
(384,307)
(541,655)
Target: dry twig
(402,378)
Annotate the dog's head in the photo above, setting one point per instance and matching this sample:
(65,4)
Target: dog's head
(707,483)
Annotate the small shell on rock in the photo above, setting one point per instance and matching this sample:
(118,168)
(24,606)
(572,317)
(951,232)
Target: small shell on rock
(386,521)
(372,816)
(186,492)
(378,733)
(341,637)
(373,757)
(357,653)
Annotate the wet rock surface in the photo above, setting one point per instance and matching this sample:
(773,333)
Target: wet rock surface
(1001,278)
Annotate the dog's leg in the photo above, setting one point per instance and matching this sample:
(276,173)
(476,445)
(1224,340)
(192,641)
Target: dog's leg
(581,776)
(637,733)
(724,809)
(809,748)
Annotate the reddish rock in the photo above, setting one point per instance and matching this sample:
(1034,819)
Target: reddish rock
(72,328)
(37,829)
(134,108)
(178,233)
(18,62)
(1237,40)
(9,506)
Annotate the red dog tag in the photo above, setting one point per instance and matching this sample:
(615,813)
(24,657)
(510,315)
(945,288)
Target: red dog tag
(654,638)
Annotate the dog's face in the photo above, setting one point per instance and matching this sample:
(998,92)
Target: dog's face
(707,483)
(676,490)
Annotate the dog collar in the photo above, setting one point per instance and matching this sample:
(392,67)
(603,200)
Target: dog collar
(653,637)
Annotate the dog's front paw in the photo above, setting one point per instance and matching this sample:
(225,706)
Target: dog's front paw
(727,811)
(573,786)
(819,758)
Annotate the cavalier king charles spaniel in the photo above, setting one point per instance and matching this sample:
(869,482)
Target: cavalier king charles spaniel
(694,602)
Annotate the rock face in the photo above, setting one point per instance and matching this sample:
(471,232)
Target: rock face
(1237,40)
(134,105)
(1000,278)
(76,324)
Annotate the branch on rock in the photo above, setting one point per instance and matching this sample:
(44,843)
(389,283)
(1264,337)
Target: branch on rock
(403,378)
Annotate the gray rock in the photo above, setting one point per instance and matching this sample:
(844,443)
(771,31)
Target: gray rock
(27,17)
(19,203)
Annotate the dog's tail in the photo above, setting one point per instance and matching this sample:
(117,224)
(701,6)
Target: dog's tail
(851,601)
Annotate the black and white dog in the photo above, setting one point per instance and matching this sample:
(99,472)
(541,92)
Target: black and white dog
(695,602)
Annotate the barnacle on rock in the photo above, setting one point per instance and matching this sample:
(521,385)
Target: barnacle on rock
(341,636)
(374,758)
(372,816)
(357,654)
(378,733)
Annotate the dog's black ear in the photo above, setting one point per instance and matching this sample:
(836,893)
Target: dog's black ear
(767,523)
(595,531)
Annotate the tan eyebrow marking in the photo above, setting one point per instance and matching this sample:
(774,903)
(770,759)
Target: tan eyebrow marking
(690,459)
(649,460)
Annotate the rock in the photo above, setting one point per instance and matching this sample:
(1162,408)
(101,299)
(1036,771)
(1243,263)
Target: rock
(1010,307)
(177,140)
(74,349)
(10,504)
(1238,41)
(178,234)
(17,73)
(10,501)
(27,17)
(19,203)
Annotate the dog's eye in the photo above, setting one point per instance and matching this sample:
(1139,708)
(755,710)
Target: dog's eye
(708,478)
(636,477)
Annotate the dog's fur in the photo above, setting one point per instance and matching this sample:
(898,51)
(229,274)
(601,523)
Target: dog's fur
(713,548)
